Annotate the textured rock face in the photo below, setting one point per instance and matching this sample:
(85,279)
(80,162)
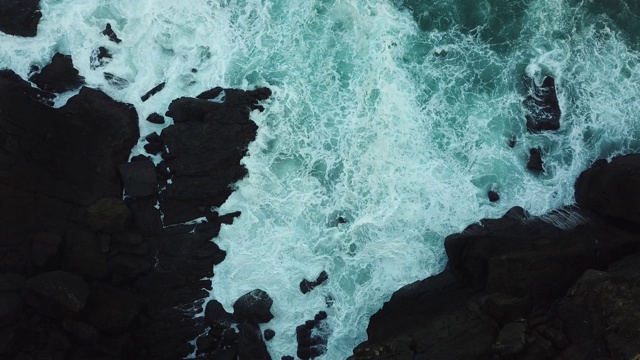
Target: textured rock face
(58,76)
(520,288)
(20,17)
(542,106)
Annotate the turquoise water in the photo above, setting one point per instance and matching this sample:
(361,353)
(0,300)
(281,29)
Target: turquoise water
(393,114)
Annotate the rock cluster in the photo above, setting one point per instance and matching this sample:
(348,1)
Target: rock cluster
(561,286)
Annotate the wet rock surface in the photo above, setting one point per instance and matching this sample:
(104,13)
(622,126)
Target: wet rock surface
(542,106)
(519,287)
(87,274)
(58,76)
(20,17)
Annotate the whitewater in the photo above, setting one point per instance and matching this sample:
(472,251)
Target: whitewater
(394,115)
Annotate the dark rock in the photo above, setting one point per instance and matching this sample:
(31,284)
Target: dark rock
(45,250)
(108,31)
(341,220)
(205,343)
(253,307)
(109,308)
(542,106)
(152,92)
(110,215)
(128,237)
(80,331)
(493,196)
(511,338)
(57,293)
(611,189)
(20,17)
(116,81)
(250,343)
(216,315)
(11,282)
(84,256)
(99,57)
(504,308)
(288,357)
(129,265)
(306,285)
(154,145)
(269,334)
(156,118)
(59,76)
(535,160)
(10,307)
(312,337)
(145,216)
(139,178)
(8,339)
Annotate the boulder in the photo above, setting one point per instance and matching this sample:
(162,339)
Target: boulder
(45,250)
(269,334)
(57,293)
(154,145)
(20,17)
(535,160)
(253,307)
(109,215)
(306,285)
(542,106)
(156,118)
(216,316)
(139,178)
(493,196)
(59,76)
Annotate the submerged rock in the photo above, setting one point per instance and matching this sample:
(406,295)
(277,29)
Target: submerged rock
(542,106)
(20,17)
(99,57)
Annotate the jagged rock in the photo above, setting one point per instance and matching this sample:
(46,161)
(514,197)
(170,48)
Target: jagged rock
(99,57)
(20,17)
(59,76)
(139,178)
(84,256)
(312,337)
(535,160)
(542,106)
(57,293)
(269,334)
(45,250)
(110,215)
(216,315)
(156,118)
(250,343)
(152,92)
(253,307)
(108,31)
(306,285)
(110,308)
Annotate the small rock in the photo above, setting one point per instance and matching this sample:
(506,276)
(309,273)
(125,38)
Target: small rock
(156,118)
(108,31)
(109,215)
(269,334)
(152,92)
(254,307)
(493,196)
(205,343)
(154,145)
(535,160)
(306,285)
(57,293)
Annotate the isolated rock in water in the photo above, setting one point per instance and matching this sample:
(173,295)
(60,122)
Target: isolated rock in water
(611,189)
(269,334)
(253,307)
(493,196)
(109,215)
(535,160)
(542,106)
(59,76)
(57,293)
(20,17)
(139,178)
(155,118)
(306,285)
(108,31)
(99,57)
(152,92)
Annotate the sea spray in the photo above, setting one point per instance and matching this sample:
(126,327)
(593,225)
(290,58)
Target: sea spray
(394,115)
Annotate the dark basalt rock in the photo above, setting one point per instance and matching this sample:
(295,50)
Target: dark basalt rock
(154,146)
(216,316)
(59,76)
(108,31)
(253,307)
(493,196)
(535,160)
(306,285)
(57,293)
(542,106)
(269,334)
(312,337)
(99,57)
(20,17)
(152,92)
(139,178)
(203,150)
(156,118)
(250,343)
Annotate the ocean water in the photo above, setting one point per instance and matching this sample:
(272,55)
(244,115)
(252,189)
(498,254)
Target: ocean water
(394,115)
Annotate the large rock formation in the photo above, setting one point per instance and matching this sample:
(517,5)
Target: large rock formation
(561,286)
(20,17)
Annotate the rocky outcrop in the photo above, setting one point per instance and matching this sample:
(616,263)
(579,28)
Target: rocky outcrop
(58,76)
(561,286)
(20,17)
(542,106)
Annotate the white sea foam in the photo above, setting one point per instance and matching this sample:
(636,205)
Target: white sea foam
(399,131)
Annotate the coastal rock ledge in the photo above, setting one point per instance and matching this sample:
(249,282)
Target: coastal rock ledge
(565,285)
